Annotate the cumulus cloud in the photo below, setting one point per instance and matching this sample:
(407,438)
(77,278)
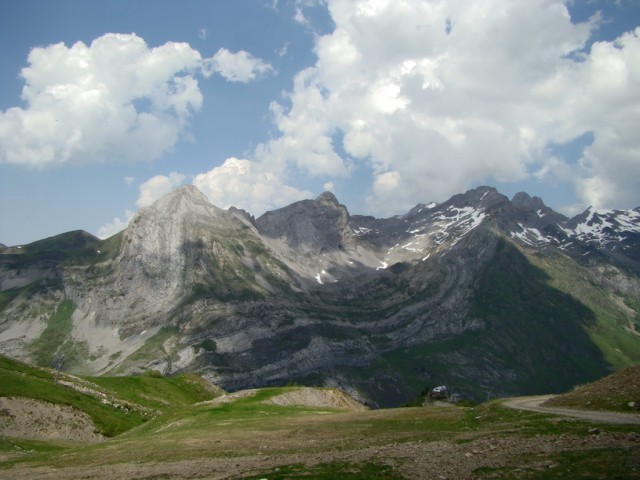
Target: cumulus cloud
(248,185)
(116,225)
(114,99)
(235,67)
(158,186)
(437,96)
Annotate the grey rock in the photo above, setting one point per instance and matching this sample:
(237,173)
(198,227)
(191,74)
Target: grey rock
(310,293)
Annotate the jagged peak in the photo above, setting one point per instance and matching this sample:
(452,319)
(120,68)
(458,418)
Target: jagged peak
(242,215)
(526,201)
(419,208)
(481,196)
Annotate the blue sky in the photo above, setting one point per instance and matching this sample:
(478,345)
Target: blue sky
(107,105)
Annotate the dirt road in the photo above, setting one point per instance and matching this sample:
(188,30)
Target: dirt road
(534,404)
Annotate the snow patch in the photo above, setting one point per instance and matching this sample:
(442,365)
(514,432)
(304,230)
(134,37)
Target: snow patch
(531,236)
(361,231)
(605,226)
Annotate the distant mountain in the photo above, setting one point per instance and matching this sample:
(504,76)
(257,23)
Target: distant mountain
(488,295)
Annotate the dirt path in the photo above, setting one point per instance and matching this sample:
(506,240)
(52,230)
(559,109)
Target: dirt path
(534,404)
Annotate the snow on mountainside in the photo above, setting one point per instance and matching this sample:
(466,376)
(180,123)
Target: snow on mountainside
(605,226)
(431,230)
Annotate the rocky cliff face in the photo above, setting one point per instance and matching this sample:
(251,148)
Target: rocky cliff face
(490,295)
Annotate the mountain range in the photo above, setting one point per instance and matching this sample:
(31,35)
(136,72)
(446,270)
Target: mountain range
(488,295)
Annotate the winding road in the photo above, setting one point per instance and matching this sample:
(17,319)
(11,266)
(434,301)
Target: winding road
(534,404)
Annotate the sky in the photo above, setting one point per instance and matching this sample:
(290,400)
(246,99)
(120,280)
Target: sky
(105,106)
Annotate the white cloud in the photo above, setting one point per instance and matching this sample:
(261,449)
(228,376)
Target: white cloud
(235,67)
(437,96)
(115,226)
(129,180)
(245,184)
(157,186)
(116,98)
(300,18)
(202,33)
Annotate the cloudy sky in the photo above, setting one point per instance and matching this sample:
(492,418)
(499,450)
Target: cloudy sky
(107,105)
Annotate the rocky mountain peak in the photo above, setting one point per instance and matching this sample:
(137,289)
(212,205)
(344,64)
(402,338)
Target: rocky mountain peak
(524,201)
(182,201)
(484,198)
(327,198)
(309,226)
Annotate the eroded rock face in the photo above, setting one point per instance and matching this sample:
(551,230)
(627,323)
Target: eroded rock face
(312,294)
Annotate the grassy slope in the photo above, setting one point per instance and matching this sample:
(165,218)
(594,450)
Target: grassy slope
(54,336)
(160,394)
(619,347)
(618,392)
(76,247)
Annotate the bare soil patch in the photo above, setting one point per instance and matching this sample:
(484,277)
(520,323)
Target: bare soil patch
(31,419)
(317,398)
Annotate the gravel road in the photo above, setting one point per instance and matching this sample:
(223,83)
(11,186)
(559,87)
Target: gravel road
(534,404)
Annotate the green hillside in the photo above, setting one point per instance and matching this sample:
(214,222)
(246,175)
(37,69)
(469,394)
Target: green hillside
(114,404)
(163,429)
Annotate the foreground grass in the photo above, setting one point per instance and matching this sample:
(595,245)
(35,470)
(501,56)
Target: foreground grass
(263,440)
(249,427)
(331,471)
(591,465)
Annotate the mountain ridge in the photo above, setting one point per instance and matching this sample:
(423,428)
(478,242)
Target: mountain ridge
(313,294)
